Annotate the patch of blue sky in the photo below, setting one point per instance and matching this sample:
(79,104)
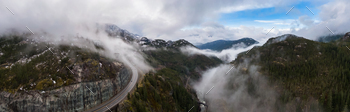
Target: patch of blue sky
(272,16)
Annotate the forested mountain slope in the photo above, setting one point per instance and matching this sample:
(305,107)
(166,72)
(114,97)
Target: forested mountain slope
(39,76)
(220,45)
(168,89)
(306,70)
(27,64)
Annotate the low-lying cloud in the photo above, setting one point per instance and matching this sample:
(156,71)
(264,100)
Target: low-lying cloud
(166,19)
(154,19)
(226,55)
(76,23)
(127,53)
(332,15)
(91,35)
(243,89)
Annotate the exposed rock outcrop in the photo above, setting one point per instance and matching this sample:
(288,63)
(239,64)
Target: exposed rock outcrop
(346,36)
(75,97)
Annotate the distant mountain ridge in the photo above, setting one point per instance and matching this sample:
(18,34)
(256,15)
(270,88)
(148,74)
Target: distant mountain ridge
(114,31)
(159,43)
(220,45)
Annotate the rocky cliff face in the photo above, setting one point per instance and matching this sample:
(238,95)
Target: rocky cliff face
(346,36)
(75,97)
(36,77)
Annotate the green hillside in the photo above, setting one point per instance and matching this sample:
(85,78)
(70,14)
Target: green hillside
(305,69)
(29,65)
(161,92)
(220,45)
(185,65)
(168,89)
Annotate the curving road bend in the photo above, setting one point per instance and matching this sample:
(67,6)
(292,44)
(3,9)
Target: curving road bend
(105,106)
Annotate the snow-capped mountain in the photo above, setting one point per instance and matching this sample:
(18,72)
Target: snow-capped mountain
(115,31)
(159,43)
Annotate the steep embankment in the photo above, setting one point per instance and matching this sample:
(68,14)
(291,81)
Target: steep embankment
(308,75)
(44,77)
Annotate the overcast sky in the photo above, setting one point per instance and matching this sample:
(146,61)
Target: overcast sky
(197,21)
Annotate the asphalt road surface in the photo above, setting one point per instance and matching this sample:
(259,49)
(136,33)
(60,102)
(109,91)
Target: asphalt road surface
(107,105)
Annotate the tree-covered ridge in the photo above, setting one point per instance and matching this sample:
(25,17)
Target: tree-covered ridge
(161,92)
(305,69)
(160,43)
(220,45)
(168,89)
(182,63)
(29,65)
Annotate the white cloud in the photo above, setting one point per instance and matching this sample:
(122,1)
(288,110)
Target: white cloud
(230,92)
(61,20)
(243,7)
(333,15)
(276,21)
(194,20)
(154,19)
(226,55)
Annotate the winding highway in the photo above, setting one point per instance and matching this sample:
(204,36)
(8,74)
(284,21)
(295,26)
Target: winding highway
(107,105)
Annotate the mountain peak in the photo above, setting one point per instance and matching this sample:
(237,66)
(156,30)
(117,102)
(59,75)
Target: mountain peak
(281,38)
(346,36)
(220,45)
(160,43)
(115,31)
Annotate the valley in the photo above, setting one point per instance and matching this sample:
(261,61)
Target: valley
(175,56)
(87,81)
